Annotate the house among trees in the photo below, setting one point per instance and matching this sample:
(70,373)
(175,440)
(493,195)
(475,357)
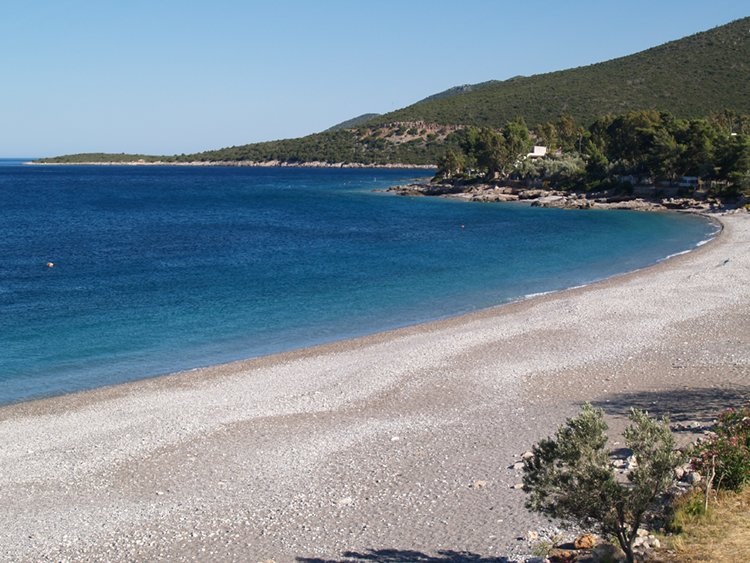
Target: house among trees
(537,152)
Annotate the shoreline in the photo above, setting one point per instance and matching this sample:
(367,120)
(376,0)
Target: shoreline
(322,347)
(241,164)
(657,201)
(398,440)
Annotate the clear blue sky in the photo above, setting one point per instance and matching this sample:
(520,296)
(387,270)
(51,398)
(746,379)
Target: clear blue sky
(173,76)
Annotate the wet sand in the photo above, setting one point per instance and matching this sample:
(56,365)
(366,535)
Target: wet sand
(399,441)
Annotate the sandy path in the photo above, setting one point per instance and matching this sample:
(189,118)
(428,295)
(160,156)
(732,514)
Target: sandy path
(374,443)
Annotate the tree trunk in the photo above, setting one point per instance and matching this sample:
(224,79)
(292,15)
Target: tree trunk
(626,544)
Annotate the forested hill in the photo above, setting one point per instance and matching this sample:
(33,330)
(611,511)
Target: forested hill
(692,77)
(353,122)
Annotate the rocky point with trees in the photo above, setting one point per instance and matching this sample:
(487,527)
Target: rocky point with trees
(700,159)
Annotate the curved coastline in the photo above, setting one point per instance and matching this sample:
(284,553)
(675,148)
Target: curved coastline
(239,163)
(288,455)
(435,323)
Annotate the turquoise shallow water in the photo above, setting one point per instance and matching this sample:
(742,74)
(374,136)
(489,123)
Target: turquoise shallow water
(159,269)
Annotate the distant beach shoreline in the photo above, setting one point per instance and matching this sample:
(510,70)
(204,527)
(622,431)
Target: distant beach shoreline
(400,440)
(240,163)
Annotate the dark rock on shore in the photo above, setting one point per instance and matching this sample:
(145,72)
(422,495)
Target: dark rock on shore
(551,198)
(425,188)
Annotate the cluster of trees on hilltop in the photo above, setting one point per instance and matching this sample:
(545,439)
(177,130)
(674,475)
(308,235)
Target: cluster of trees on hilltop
(642,146)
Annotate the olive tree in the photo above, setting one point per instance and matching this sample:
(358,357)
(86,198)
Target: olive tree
(572,478)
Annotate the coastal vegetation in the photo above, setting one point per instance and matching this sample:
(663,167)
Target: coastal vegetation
(720,534)
(396,143)
(711,522)
(574,477)
(615,151)
(725,458)
(571,476)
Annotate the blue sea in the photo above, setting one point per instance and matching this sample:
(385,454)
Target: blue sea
(160,269)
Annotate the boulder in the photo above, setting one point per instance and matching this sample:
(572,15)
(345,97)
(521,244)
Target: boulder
(550,201)
(586,541)
(632,463)
(606,552)
(557,555)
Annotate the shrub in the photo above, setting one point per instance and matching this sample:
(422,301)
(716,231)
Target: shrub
(727,454)
(571,477)
(565,170)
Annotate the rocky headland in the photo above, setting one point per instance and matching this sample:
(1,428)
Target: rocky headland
(658,200)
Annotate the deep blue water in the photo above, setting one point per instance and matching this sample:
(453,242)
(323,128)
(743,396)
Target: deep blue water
(159,269)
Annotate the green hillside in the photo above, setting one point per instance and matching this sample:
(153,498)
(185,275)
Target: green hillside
(379,146)
(456,90)
(690,77)
(353,122)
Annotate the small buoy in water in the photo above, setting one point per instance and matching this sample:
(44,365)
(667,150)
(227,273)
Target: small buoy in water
(50,264)
(462,226)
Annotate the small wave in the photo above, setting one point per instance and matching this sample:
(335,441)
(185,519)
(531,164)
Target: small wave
(697,244)
(532,295)
(675,254)
(568,288)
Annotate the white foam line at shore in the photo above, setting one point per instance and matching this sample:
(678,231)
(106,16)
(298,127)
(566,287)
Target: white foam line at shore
(597,280)
(676,254)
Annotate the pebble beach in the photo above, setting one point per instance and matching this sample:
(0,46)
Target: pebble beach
(400,444)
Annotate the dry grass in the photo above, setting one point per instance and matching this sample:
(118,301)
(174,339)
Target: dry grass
(721,535)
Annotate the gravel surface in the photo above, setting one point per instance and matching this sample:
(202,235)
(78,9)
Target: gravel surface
(391,447)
